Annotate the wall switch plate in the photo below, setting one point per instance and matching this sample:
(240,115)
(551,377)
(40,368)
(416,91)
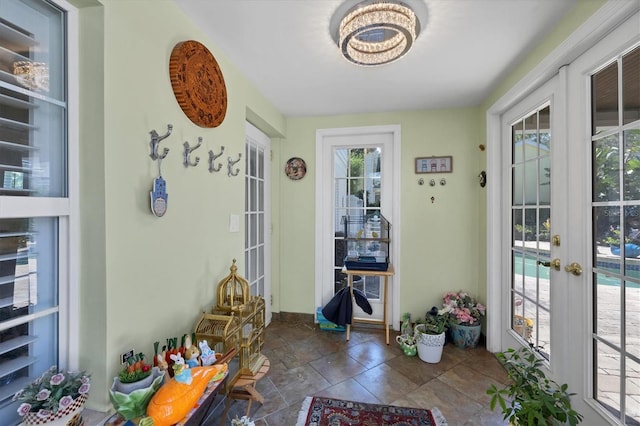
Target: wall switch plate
(234,223)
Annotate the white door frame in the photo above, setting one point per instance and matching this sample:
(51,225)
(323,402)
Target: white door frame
(324,174)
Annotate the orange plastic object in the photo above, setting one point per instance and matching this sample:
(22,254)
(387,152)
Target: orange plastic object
(172,402)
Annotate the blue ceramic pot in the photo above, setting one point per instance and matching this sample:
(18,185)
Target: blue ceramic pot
(465,336)
(630,249)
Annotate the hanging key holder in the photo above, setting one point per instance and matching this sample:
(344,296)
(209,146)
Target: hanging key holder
(159,196)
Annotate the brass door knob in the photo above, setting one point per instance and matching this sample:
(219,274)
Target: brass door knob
(574,268)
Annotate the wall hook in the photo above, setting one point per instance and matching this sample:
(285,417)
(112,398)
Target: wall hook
(187,153)
(230,166)
(482,177)
(155,143)
(212,158)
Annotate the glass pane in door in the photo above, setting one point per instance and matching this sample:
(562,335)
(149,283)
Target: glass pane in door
(254,217)
(357,192)
(531,229)
(615,148)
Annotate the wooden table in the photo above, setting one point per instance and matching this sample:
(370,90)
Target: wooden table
(385,274)
(245,388)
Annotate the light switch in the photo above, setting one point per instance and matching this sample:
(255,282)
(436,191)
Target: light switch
(234,223)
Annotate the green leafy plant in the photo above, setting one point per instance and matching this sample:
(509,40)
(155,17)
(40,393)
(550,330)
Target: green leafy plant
(434,321)
(614,239)
(531,398)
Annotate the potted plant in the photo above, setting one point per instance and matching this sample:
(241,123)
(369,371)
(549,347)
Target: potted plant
(531,398)
(464,313)
(630,247)
(57,397)
(430,337)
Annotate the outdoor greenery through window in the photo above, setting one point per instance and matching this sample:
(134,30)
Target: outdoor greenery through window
(357,184)
(531,222)
(615,140)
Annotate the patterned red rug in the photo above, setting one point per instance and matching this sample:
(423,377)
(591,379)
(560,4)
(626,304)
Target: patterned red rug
(317,411)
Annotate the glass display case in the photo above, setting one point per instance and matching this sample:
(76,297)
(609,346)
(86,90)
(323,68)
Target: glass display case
(367,240)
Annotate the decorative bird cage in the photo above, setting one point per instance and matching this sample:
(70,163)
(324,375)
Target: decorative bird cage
(233,292)
(222,332)
(235,301)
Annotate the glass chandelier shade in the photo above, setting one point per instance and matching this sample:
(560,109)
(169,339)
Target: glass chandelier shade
(377,33)
(33,75)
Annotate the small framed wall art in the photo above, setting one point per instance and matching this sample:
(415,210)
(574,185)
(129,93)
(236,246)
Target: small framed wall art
(295,168)
(434,164)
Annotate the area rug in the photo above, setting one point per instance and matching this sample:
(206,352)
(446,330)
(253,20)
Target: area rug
(318,411)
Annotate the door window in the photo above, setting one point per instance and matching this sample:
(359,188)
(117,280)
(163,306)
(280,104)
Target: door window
(531,224)
(257,215)
(615,148)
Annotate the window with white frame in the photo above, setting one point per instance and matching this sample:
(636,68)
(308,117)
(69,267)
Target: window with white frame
(34,194)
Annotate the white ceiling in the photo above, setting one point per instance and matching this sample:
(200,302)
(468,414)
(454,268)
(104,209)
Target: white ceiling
(285,48)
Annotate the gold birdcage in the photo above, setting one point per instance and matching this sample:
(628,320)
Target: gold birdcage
(222,332)
(248,321)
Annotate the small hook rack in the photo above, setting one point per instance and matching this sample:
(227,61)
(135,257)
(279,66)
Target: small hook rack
(187,153)
(230,164)
(212,158)
(155,143)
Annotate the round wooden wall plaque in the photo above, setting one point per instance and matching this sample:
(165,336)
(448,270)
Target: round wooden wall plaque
(198,83)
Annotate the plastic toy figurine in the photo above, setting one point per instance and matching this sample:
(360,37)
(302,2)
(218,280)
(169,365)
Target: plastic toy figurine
(181,372)
(207,355)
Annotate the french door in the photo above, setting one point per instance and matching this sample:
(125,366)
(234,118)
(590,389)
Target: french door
(611,129)
(570,196)
(257,215)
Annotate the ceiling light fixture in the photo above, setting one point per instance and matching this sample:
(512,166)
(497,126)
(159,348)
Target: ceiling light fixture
(376,33)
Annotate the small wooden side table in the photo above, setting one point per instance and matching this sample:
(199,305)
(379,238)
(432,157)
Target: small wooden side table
(385,274)
(245,388)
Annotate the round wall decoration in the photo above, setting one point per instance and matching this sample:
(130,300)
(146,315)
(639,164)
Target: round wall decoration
(295,168)
(198,83)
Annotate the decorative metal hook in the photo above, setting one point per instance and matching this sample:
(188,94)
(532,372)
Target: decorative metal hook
(155,143)
(230,166)
(212,158)
(482,177)
(187,153)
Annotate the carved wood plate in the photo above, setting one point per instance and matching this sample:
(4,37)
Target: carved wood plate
(198,83)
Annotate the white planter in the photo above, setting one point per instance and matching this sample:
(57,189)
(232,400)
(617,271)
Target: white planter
(429,345)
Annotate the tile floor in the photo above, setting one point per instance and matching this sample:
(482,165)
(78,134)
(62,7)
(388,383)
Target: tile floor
(307,361)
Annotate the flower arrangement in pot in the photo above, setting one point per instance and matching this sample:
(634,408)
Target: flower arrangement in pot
(429,335)
(531,398)
(57,396)
(464,313)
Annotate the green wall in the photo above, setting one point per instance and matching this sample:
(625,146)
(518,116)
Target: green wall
(145,278)
(438,240)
